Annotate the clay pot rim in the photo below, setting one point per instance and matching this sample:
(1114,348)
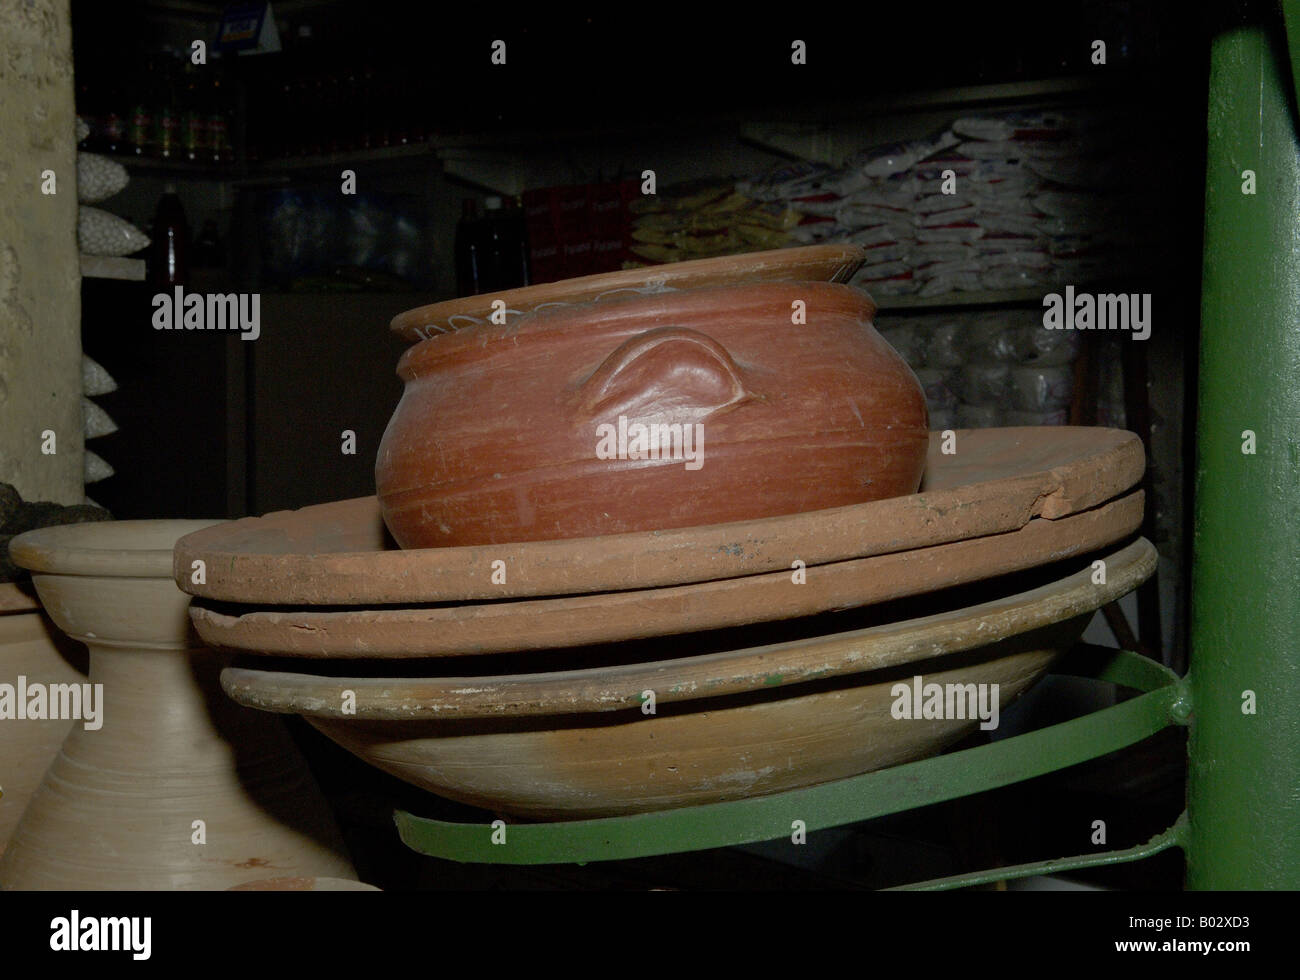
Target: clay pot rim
(845,258)
(66,549)
(592,318)
(731,672)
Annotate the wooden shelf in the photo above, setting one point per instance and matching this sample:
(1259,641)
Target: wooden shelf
(183,169)
(498,160)
(111,267)
(1054,90)
(325,161)
(949,301)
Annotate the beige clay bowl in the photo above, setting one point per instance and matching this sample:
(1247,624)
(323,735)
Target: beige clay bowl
(576,744)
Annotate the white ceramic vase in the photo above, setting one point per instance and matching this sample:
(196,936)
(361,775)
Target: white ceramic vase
(179,788)
(30,648)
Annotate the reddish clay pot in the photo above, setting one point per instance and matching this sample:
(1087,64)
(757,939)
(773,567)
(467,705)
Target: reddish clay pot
(673,410)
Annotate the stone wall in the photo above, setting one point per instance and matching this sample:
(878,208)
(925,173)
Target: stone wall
(40,304)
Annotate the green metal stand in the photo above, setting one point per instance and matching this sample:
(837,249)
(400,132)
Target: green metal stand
(1244,774)
(875,794)
(1242,824)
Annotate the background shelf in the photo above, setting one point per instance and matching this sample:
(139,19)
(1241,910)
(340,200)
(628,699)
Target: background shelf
(112,267)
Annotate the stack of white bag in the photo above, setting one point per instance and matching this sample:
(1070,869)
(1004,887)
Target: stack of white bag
(101,232)
(1061,215)
(871,201)
(1019,200)
(988,368)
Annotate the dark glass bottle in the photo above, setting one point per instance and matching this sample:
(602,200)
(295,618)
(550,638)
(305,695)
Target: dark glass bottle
(166,124)
(169,252)
(139,136)
(216,123)
(116,118)
(194,124)
(350,112)
(209,252)
(468,273)
(503,258)
(367,99)
(522,251)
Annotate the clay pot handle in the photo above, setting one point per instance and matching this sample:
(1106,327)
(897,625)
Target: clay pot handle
(669,373)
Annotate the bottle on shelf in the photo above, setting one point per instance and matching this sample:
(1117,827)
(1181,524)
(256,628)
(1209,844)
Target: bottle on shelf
(215,121)
(519,220)
(467,250)
(139,137)
(350,111)
(366,97)
(194,127)
(169,251)
(495,248)
(307,95)
(166,125)
(87,109)
(284,116)
(504,247)
(115,121)
(209,252)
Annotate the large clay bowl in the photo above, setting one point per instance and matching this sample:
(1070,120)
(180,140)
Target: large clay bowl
(540,624)
(339,554)
(304,885)
(814,263)
(663,411)
(575,744)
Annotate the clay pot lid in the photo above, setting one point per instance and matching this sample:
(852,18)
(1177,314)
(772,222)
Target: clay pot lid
(339,554)
(689,678)
(118,549)
(696,309)
(834,263)
(567,621)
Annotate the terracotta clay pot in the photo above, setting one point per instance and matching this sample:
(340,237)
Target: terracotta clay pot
(33,649)
(666,411)
(118,806)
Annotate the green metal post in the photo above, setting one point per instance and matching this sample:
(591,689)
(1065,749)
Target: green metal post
(1244,768)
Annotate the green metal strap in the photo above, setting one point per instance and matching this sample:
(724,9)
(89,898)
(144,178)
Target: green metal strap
(846,801)
(1173,837)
